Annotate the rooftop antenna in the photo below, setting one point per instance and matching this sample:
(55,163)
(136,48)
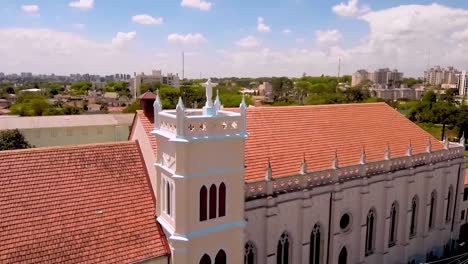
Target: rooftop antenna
(183,66)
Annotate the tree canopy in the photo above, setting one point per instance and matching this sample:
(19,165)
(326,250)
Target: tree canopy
(12,139)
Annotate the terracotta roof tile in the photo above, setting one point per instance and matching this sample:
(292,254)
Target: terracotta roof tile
(286,134)
(148,124)
(77,204)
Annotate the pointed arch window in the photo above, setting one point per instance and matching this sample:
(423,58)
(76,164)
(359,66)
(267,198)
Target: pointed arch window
(222,200)
(343,257)
(220,257)
(432,209)
(393,224)
(370,232)
(414,216)
(205,259)
(282,252)
(249,255)
(314,255)
(168,198)
(448,214)
(213,198)
(203,203)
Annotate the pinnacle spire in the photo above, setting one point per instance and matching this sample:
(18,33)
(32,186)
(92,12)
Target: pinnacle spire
(429,146)
(388,152)
(217,103)
(335,161)
(409,149)
(446,143)
(157,102)
(462,139)
(362,160)
(268,171)
(180,104)
(243,105)
(303,166)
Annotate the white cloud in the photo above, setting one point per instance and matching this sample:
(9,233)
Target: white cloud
(191,38)
(82,4)
(328,37)
(248,42)
(350,9)
(200,4)
(261,26)
(123,37)
(287,31)
(300,40)
(32,9)
(79,26)
(147,20)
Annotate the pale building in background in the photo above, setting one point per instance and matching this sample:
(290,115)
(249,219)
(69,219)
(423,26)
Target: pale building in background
(156,76)
(45,131)
(462,83)
(440,76)
(381,77)
(359,76)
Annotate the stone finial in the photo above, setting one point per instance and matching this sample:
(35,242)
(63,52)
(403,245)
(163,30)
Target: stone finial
(362,159)
(462,139)
(157,103)
(180,105)
(335,162)
(303,166)
(209,92)
(388,152)
(429,146)
(446,143)
(268,171)
(217,103)
(409,149)
(243,105)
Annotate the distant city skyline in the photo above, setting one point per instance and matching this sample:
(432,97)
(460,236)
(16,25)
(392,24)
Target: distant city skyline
(232,38)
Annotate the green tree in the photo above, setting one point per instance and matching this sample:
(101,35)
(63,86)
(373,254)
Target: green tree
(12,139)
(132,108)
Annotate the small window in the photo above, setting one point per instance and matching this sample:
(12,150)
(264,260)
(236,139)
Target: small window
(462,215)
(465,194)
(344,222)
(213,203)
(249,255)
(203,203)
(222,200)
(432,210)
(370,232)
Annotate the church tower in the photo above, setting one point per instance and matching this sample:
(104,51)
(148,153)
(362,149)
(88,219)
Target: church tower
(200,180)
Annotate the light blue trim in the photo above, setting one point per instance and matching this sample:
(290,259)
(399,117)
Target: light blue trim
(215,229)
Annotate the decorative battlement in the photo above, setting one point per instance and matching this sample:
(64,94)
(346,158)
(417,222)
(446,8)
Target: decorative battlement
(272,186)
(194,124)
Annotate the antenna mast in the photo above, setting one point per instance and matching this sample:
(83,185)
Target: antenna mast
(183,66)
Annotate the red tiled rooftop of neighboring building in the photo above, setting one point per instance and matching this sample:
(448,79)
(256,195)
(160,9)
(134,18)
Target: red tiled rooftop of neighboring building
(286,134)
(148,124)
(77,204)
(466,177)
(147,95)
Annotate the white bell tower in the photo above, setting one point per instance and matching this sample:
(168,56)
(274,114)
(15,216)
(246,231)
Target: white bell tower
(200,180)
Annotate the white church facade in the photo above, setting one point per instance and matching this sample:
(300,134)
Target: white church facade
(315,184)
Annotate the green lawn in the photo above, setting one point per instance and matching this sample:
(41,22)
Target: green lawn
(436,130)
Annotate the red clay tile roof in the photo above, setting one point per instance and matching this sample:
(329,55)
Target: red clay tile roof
(148,124)
(286,134)
(77,204)
(147,95)
(466,177)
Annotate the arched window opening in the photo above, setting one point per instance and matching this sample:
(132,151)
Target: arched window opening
(432,209)
(203,203)
(249,255)
(205,259)
(393,224)
(282,254)
(414,216)
(168,198)
(222,200)
(370,232)
(164,195)
(220,257)
(448,214)
(314,256)
(213,198)
(343,257)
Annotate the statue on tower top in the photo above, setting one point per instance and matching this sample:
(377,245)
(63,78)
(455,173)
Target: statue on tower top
(208,109)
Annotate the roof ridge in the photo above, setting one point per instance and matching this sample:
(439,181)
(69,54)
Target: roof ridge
(68,147)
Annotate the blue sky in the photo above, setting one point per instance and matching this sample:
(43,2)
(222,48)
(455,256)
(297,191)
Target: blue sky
(225,37)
